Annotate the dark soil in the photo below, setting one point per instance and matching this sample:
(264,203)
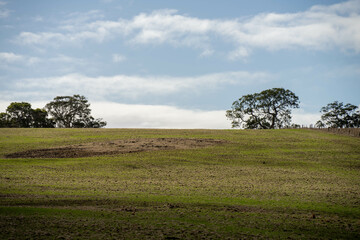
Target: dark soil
(116,147)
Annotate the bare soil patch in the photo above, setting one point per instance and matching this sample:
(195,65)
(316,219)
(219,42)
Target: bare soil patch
(116,147)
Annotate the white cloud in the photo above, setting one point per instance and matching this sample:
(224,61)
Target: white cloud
(207,52)
(118,58)
(40,38)
(320,27)
(157,116)
(132,86)
(12,58)
(239,53)
(301,117)
(166,25)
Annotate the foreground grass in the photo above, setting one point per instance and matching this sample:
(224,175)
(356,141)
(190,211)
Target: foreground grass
(262,184)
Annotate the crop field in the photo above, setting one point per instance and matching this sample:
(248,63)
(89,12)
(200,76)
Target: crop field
(178,184)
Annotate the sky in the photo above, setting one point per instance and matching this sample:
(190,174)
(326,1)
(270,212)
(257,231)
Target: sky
(178,64)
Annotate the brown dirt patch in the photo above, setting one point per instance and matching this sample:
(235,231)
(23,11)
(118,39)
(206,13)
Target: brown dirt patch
(116,147)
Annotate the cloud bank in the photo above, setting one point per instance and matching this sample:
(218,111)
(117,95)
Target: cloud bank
(318,28)
(130,86)
(158,116)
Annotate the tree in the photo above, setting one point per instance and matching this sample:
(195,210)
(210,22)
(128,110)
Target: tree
(319,124)
(41,120)
(4,120)
(20,114)
(340,115)
(66,111)
(90,122)
(268,109)
(72,111)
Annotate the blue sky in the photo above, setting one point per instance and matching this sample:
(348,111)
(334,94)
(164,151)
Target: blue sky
(178,64)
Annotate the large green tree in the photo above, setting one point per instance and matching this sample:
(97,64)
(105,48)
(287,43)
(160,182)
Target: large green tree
(339,115)
(268,109)
(72,112)
(21,115)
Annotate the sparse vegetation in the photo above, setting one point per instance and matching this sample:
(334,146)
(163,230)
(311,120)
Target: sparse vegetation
(270,184)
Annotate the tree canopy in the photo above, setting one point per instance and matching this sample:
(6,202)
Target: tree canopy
(339,115)
(20,114)
(73,112)
(64,111)
(268,109)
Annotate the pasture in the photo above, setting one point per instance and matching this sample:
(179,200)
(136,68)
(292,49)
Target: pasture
(223,184)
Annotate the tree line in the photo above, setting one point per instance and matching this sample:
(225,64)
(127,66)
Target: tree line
(63,112)
(271,109)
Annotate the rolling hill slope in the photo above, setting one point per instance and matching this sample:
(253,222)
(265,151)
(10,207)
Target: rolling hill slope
(249,184)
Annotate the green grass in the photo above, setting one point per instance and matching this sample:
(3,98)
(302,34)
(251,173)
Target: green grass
(269,184)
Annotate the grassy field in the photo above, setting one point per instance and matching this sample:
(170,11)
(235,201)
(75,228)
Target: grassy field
(261,184)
